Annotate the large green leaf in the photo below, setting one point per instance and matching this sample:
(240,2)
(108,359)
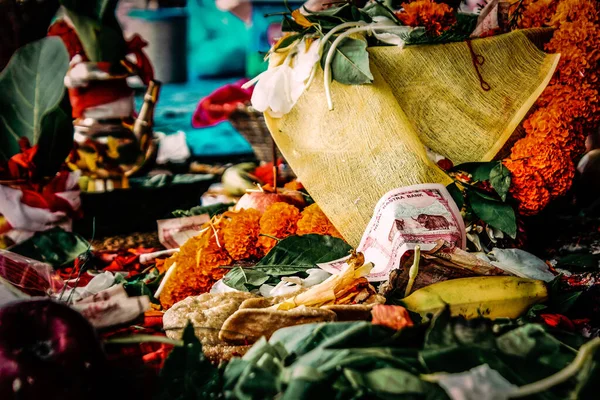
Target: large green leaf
(298,253)
(98,29)
(500,180)
(292,255)
(56,139)
(497,214)
(479,170)
(245,279)
(350,64)
(55,246)
(187,373)
(31,86)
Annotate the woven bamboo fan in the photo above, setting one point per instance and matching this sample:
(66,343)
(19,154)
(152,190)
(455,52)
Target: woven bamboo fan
(250,123)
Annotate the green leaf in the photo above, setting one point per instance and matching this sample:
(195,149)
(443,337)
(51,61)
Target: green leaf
(56,139)
(144,285)
(497,214)
(55,246)
(212,210)
(445,331)
(500,180)
(303,252)
(243,278)
(289,40)
(350,64)
(187,374)
(97,28)
(563,302)
(579,262)
(479,170)
(456,194)
(460,31)
(31,86)
(289,25)
(378,9)
(533,311)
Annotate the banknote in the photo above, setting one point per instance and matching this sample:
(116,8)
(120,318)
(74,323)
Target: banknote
(112,307)
(413,215)
(174,232)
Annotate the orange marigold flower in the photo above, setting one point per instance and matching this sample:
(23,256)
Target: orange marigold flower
(315,221)
(196,267)
(568,109)
(280,220)
(548,161)
(436,18)
(527,187)
(241,234)
(294,185)
(537,13)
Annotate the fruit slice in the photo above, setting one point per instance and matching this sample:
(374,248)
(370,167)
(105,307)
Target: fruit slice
(487,296)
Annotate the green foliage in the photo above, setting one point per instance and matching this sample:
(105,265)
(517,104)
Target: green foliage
(350,64)
(55,246)
(491,209)
(144,285)
(496,213)
(353,360)
(97,28)
(32,103)
(291,256)
(187,374)
(500,180)
(212,210)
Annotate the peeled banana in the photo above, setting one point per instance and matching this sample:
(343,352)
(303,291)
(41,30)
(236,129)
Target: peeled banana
(487,296)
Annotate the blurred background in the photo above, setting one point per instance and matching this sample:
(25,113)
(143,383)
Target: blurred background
(196,47)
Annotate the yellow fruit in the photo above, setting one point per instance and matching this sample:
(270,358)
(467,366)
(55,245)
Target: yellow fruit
(488,296)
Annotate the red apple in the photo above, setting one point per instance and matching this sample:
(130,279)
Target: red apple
(48,351)
(261,200)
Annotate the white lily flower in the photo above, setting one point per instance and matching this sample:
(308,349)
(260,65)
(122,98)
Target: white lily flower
(389,32)
(305,60)
(279,88)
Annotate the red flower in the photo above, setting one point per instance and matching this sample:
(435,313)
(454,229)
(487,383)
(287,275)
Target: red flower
(436,18)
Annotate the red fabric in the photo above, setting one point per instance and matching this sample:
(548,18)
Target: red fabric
(218,106)
(97,93)
(395,317)
(69,37)
(142,67)
(123,260)
(558,321)
(265,172)
(20,166)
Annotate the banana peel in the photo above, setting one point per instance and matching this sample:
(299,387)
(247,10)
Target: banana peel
(485,296)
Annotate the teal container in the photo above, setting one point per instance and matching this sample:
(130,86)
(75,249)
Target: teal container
(264,32)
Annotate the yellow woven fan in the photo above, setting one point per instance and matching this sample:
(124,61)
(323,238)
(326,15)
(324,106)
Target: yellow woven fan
(434,96)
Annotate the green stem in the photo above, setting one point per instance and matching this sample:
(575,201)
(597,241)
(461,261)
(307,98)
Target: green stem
(270,237)
(144,339)
(586,351)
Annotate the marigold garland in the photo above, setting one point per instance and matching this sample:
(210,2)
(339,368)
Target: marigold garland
(234,236)
(315,221)
(197,266)
(435,17)
(542,163)
(280,220)
(241,234)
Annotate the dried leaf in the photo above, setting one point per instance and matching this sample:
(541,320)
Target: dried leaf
(301,19)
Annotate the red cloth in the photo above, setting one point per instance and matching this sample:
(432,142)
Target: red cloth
(98,92)
(143,66)
(69,37)
(218,106)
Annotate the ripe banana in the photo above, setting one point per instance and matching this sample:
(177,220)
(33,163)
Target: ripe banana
(488,296)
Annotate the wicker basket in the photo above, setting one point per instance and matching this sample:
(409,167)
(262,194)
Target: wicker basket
(250,123)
